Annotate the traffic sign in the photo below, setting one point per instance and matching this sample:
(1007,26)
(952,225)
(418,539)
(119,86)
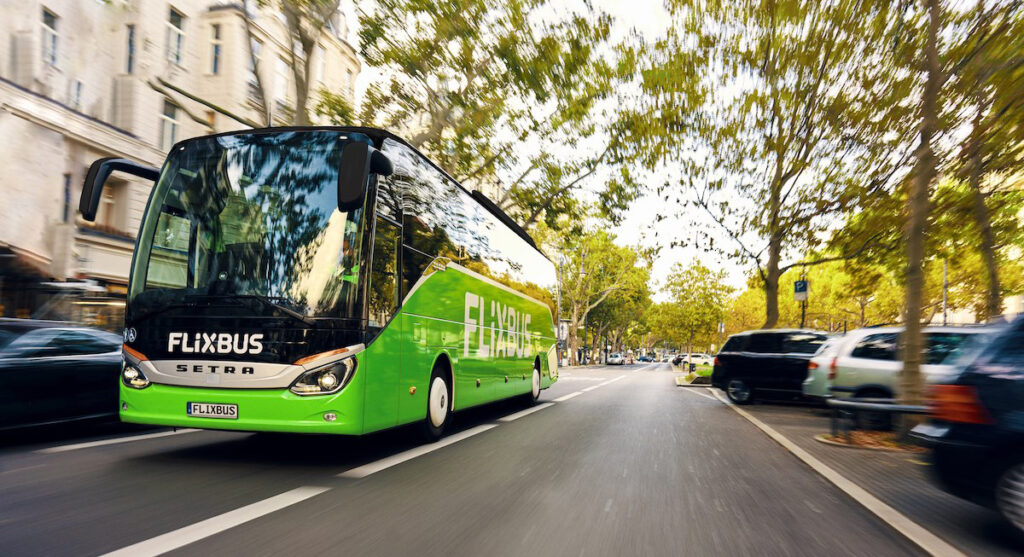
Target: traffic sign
(800,290)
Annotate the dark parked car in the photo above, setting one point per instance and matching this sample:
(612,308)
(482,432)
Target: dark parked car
(975,428)
(764,364)
(56,373)
(645,359)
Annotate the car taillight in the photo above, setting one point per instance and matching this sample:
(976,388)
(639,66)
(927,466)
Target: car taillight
(832,368)
(957,403)
(812,365)
(716,360)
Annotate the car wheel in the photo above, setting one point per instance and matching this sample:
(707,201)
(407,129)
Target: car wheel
(439,406)
(739,392)
(1010,495)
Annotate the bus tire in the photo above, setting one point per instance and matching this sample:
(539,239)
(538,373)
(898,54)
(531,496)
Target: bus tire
(531,398)
(439,404)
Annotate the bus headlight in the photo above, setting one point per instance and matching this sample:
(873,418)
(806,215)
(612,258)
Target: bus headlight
(133,377)
(325,380)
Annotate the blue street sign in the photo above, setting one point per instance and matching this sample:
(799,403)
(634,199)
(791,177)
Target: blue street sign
(800,290)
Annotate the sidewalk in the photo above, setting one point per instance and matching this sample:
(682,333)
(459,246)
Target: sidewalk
(899,480)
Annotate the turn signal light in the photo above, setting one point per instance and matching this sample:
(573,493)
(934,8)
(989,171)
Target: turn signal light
(832,368)
(812,365)
(957,403)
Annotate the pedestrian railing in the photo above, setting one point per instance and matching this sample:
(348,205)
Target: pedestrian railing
(847,412)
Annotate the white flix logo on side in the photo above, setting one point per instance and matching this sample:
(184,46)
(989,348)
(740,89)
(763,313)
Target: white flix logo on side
(501,332)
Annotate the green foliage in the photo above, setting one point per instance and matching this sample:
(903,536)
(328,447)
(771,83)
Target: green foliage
(492,89)
(777,118)
(698,299)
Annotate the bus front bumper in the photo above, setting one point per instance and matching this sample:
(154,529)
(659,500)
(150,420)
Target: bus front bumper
(274,410)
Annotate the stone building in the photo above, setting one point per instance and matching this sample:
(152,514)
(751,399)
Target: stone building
(77,83)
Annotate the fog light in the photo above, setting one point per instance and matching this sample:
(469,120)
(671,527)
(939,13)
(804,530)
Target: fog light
(328,381)
(124,406)
(330,417)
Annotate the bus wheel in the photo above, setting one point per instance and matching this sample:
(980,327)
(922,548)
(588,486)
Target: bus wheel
(531,397)
(439,406)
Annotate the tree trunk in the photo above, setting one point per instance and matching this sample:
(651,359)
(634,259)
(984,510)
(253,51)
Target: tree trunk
(771,275)
(993,298)
(574,339)
(918,206)
(771,286)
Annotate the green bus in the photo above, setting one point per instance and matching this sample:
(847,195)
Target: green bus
(324,280)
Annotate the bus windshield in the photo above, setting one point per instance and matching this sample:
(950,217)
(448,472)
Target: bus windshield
(255,215)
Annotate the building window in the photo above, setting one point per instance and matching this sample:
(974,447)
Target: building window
(175,36)
(67,197)
(320,62)
(254,59)
(76,95)
(49,38)
(281,81)
(129,63)
(215,49)
(168,125)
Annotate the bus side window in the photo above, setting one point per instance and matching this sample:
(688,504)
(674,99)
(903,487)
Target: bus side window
(384,272)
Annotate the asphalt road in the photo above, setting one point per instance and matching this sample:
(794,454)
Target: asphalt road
(635,466)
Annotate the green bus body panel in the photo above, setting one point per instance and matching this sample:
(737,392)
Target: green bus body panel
(490,334)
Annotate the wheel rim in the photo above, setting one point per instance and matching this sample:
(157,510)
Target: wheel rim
(536,383)
(438,402)
(1010,495)
(738,390)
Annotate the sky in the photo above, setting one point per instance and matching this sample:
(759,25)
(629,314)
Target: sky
(649,18)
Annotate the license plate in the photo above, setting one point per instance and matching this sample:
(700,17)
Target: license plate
(210,410)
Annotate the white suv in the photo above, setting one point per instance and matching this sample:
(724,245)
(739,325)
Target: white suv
(868,362)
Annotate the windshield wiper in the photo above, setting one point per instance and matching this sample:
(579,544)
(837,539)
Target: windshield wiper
(271,301)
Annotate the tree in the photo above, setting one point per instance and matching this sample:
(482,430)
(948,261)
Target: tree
(512,93)
(769,147)
(698,298)
(987,80)
(594,267)
(622,309)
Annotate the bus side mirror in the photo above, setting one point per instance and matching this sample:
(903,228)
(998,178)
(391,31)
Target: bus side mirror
(358,161)
(98,173)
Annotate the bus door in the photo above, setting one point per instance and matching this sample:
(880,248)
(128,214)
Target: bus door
(383,328)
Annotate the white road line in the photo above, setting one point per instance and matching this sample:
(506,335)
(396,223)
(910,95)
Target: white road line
(592,387)
(206,528)
(568,396)
(394,460)
(76,446)
(527,412)
(697,392)
(913,531)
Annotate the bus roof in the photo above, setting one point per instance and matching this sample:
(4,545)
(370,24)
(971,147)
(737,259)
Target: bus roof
(378,136)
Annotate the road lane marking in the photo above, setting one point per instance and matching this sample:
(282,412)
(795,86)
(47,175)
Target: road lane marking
(527,412)
(568,396)
(913,531)
(206,528)
(591,388)
(118,440)
(696,392)
(394,460)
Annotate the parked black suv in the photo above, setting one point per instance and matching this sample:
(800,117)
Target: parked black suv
(976,424)
(765,363)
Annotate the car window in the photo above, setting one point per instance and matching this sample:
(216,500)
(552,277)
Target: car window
(941,345)
(81,343)
(33,344)
(1012,349)
(735,344)
(764,343)
(880,346)
(801,343)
